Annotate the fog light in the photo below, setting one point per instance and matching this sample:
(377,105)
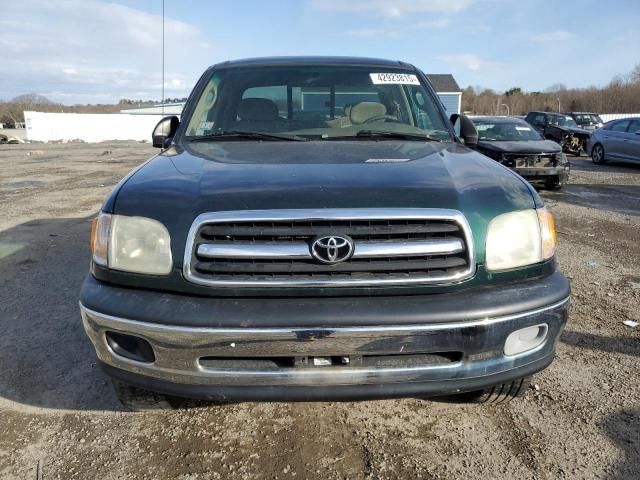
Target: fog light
(131,347)
(525,339)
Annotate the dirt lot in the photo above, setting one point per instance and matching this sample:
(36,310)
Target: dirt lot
(60,419)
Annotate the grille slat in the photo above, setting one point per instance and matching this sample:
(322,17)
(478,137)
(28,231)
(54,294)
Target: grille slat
(384,266)
(222,231)
(275,251)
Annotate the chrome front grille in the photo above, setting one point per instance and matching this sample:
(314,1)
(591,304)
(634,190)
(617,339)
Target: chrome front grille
(273,248)
(543,160)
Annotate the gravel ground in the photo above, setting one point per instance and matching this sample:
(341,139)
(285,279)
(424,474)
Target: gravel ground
(60,419)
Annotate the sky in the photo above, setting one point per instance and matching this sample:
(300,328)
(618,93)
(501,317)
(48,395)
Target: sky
(91,51)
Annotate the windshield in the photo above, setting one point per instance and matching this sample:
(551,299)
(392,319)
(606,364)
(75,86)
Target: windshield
(316,102)
(562,121)
(588,118)
(505,131)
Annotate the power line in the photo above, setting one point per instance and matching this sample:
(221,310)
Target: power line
(162,58)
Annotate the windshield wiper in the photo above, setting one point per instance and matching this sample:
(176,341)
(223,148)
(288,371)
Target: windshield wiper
(387,134)
(239,134)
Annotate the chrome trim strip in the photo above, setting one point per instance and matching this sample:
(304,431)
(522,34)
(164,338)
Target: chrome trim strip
(317,332)
(408,249)
(288,251)
(329,214)
(255,250)
(324,375)
(178,349)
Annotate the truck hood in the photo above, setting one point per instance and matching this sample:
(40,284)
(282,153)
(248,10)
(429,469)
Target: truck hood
(576,130)
(181,183)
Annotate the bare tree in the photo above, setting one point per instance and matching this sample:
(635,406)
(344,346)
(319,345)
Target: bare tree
(621,95)
(634,76)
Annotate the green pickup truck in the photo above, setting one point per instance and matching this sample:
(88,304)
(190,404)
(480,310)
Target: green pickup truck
(314,228)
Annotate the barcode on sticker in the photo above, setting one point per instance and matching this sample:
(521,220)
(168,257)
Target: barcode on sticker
(394,79)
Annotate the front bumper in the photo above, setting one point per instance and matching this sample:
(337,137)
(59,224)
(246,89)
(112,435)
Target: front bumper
(473,343)
(560,173)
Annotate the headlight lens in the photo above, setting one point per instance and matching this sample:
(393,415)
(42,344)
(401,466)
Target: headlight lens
(520,238)
(547,233)
(131,244)
(100,228)
(563,159)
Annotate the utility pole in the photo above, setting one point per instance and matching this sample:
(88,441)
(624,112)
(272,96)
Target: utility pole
(163,58)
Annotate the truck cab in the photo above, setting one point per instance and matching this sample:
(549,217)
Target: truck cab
(313,228)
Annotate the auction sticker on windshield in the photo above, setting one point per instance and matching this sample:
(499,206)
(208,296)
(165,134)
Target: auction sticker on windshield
(394,79)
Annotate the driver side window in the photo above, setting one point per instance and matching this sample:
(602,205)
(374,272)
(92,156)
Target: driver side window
(634,127)
(620,126)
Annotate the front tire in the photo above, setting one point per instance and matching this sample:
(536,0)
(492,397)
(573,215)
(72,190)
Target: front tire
(505,392)
(597,154)
(553,183)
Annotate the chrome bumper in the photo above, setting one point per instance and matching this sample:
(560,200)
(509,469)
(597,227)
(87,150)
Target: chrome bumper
(178,350)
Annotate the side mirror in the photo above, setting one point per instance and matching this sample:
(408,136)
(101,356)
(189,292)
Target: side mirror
(164,131)
(638,132)
(465,129)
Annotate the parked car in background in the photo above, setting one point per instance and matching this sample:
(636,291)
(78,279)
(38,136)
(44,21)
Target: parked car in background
(617,140)
(586,120)
(517,145)
(560,128)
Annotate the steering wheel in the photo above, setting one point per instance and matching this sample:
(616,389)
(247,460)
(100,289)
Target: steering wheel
(382,117)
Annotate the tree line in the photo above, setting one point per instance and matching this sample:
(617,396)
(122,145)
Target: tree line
(621,95)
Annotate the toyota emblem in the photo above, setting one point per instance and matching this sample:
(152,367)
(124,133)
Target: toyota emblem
(332,249)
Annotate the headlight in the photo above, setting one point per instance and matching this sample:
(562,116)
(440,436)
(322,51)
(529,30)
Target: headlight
(562,159)
(131,244)
(520,238)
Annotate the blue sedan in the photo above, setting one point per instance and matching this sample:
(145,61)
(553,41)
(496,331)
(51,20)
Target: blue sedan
(617,140)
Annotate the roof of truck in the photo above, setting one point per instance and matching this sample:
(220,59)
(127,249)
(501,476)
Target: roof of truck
(495,119)
(313,60)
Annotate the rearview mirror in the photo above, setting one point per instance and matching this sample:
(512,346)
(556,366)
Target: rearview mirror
(465,129)
(164,131)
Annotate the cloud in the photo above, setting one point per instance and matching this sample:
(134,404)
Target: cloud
(398,30)
(92,50)
(392,8)
(555,36)
(469,61)
(437,24)
(481,28)
(371,33)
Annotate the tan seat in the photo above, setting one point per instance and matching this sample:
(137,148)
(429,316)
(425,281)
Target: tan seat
(362,112)
(358,114)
